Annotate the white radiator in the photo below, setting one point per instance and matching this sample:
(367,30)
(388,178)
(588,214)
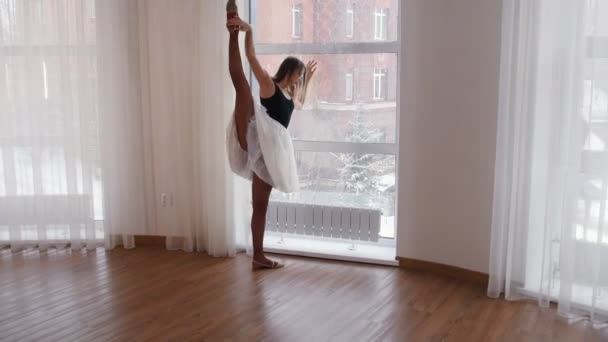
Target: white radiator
(324,221)
(45,209)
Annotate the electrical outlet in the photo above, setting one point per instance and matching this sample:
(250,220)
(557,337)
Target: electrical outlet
(163,199)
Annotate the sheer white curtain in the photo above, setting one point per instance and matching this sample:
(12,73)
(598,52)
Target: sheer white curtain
(49,160)
(125,98)
(172,178)
(550,221)
(191,101)
(124,122)
(226,199)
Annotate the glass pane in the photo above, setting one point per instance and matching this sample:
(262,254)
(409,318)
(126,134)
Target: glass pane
(99,229)
(47,22)
(24,170)
(58,232)
(4,235)
(36,104)
(596,24)
(591,212)
(595,104)
(347,179)
(97,195)
(325,21)
(29,233)
(2,179)
(330,111)
(53,171)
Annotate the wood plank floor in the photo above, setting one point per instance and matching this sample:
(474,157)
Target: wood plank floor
(149,294)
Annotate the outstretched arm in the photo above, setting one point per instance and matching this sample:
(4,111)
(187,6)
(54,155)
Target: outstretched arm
(302,86)
(265,81)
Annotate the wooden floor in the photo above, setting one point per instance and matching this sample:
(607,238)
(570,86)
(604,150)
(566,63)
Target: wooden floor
(151,294)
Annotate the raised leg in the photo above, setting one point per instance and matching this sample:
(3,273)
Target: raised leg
(243,104)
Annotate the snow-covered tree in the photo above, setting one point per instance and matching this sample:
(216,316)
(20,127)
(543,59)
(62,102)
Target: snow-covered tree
(359,171)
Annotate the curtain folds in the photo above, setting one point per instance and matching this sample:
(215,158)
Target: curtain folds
(550,228)
(113,120)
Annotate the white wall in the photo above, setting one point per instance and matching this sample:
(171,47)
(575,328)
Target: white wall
(449,93)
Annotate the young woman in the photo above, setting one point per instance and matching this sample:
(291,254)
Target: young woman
(259,145)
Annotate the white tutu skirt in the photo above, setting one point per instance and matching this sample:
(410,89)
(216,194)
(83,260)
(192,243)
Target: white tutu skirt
(270,152)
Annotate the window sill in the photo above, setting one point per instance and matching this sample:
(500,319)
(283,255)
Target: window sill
(382,253)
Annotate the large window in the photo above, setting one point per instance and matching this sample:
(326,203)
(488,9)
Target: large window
(591,209)
(345,136)
(48,136)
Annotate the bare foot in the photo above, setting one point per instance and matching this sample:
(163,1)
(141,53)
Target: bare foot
(263,262)
(232,9)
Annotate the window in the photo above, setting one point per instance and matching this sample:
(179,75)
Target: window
(37,5)
(48,48)
(9,10)
(296,21)
(349,86)
(7,81)
(45,81)
(350,22)
(591,212)
(345,140)
(379,84)
(380,24)
(90,10)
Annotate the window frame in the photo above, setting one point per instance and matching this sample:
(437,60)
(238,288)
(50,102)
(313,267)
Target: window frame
(350,22)
(380,84)
(45,81)
(349,85)
(381,24)
(296,15)
(15,48)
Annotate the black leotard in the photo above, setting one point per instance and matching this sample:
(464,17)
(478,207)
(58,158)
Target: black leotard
(278,106)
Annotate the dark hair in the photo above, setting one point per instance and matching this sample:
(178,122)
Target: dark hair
(288,66)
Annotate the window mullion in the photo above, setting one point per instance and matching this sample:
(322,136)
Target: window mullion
(327,49)
(345,147)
